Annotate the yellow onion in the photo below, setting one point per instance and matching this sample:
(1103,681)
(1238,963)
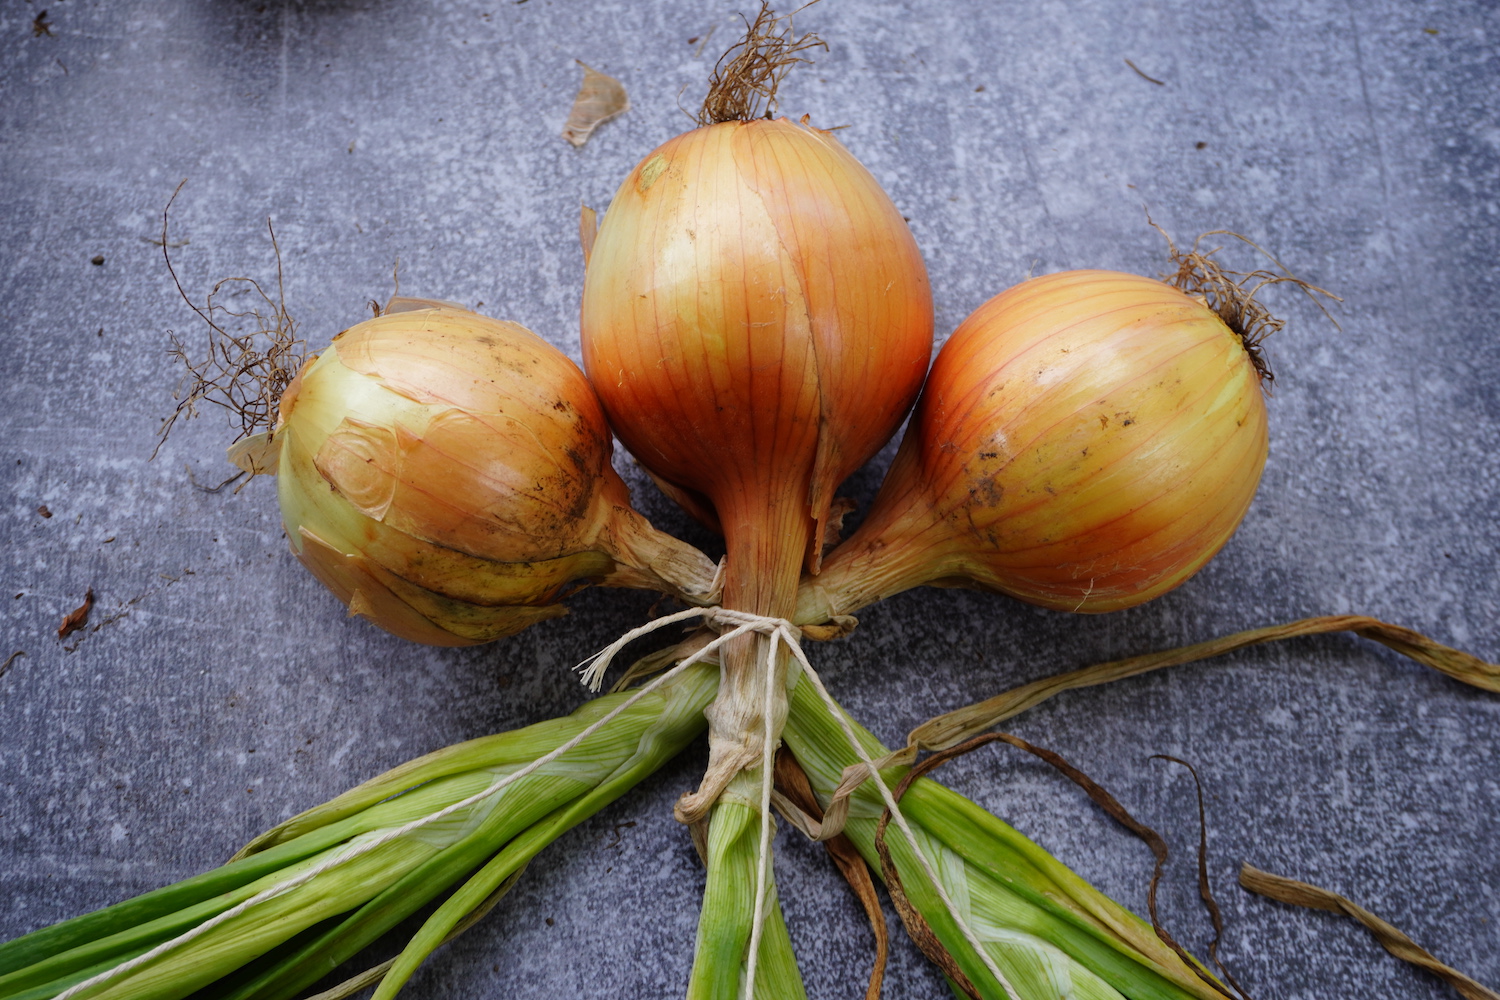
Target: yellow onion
(1086,441)
(756,320)
(448,476)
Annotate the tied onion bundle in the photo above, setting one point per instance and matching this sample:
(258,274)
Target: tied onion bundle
(448,477)
(756,320)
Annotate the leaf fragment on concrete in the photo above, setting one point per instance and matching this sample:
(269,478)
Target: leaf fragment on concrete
(78,617)
(599,99)
(1295,893)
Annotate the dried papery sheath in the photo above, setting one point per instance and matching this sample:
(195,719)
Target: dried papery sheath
(599,99)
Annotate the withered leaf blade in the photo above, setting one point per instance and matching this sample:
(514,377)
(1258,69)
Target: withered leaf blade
(958,725)
(922,934)
(1289,890)
(792,783)
(78,617)
(599,99)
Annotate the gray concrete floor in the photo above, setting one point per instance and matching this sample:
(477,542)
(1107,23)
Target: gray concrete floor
(1357,139)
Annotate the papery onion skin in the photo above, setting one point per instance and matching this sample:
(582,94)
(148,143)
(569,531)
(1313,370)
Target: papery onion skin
(1086,442)
(448,476)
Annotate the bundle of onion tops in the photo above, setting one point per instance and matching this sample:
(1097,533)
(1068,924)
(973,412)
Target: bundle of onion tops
(756,323)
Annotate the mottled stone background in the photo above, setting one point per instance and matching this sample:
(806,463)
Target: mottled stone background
(226,690)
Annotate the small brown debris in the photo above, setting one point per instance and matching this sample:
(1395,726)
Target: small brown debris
(549,921)
(41,26)
(1143,76)
(97,260)
(599,99)
(979,89)
(1200,145)
(42,510)
(588,229)
(78,617)
(12,658)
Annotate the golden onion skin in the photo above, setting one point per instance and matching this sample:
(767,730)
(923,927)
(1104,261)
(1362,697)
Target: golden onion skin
(1087,441)
(756,320)
(448,476)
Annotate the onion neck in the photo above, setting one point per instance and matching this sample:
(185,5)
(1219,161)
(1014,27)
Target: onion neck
(903,543)
(766,535)
(648,559)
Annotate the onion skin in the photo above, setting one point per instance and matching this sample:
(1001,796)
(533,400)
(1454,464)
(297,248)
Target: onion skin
(448,476)
(1087,441)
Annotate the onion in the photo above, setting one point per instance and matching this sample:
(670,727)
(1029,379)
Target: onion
(448,476)
(756,320)
(1086,442)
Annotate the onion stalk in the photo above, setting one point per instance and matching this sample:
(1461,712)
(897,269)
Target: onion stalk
(1045,926)
(406,837)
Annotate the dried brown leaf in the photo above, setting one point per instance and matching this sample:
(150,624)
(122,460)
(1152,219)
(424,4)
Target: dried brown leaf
(1290,891)
(953,727)
(792,783)
(599,99)
(78,617)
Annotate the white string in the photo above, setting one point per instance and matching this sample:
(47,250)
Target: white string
(355,850)
(891,804)
(594,667)
(763,852)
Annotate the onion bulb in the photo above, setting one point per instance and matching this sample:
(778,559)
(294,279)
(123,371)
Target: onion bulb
(1086,441)
(448,476)
(756,320)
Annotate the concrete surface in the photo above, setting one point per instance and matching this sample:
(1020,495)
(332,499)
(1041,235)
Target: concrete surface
(1357,139)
